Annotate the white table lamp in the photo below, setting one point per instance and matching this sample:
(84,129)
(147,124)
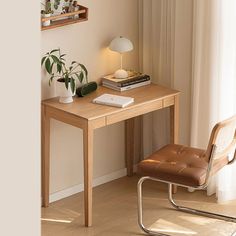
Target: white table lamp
(121,45)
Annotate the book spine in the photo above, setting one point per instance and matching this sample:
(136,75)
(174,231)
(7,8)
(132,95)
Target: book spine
(137,85)
(111,87)
(141,80)
(128,81)
(135,81)
(110,82)
(121,89)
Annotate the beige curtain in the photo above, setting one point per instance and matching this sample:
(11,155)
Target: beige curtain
(156,60)
(190,45)
(166,34)
(214,80)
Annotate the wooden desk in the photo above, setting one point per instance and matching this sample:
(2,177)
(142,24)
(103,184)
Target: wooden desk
(82,113)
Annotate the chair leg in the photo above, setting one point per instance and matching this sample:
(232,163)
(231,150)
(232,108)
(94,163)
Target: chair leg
(198,212)
(140,210)
(180,208)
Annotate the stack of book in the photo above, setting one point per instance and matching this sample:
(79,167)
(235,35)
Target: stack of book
(134,80)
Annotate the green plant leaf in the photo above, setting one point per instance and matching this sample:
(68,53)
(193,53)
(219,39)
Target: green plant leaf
(77,76)
(51,79)
(51,67)
(56,4)
(62,55)
(80,77)
(55,59)
(48,66)
(70,68)
(54,50)
(74,62)
(59,68)
(43,59)
(72,85)
(66,82)
(84,69)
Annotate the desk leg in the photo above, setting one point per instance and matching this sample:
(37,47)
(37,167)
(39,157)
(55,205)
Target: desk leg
(174,126)
(45,143)
(129,145)
(88,174)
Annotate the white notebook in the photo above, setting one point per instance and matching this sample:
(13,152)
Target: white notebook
(113,100)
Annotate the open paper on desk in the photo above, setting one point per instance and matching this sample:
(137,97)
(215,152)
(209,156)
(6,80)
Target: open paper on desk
(113,100)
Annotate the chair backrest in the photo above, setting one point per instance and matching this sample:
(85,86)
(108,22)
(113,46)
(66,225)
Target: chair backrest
(222,141)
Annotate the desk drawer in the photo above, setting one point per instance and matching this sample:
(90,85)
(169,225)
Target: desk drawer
(134,111)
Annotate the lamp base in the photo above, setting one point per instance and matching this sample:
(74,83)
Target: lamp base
(121,74)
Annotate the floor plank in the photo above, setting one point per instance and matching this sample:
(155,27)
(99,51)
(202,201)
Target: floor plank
(115,212)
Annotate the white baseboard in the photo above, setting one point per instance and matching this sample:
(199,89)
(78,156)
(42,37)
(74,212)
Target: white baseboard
(80,187)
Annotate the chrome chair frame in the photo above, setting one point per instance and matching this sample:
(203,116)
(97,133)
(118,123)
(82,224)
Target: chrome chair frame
(177,207)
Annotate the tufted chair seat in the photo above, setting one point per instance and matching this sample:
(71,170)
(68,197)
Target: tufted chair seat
(179,164)
(189,167)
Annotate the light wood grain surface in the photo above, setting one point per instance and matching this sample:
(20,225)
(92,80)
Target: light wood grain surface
(115,208)
(143,97)
(84,114)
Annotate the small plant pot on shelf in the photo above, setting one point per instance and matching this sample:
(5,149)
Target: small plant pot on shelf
(47,22)
(76,8)
(65,95)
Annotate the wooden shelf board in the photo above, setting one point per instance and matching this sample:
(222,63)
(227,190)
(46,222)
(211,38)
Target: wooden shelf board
(59,20)
(64,15)
(63,22)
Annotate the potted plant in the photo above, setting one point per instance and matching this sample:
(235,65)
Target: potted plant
(57,4)
(57,7)
(55,66)
(47,12)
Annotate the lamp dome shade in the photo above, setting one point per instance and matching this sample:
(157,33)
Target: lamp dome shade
(121,45)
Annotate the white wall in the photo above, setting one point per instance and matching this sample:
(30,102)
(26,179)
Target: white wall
(20,119)
(87,42)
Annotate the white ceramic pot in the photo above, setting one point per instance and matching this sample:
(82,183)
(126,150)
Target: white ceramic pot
(76,9)
(47,22)
(66,95)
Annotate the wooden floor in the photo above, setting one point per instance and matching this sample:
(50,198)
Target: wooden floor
(115,212)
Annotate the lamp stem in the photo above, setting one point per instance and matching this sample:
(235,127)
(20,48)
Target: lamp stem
(121,61)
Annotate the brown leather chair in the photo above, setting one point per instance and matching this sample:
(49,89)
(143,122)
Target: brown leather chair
(189,167)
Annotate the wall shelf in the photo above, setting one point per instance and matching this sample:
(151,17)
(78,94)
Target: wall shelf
(66,19)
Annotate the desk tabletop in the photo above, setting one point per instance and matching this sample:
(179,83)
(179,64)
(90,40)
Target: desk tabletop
(85,108)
